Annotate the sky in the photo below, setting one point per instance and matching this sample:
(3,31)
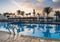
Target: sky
(27,5)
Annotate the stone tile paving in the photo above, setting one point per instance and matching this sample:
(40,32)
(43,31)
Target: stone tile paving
(4,37)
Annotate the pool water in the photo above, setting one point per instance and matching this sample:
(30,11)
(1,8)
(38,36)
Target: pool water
(37,30)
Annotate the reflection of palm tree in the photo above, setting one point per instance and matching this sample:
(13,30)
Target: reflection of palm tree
(33,30)
(47,10)
(9,38)
(8,28)
(47,33)
(57,28)
(22,29)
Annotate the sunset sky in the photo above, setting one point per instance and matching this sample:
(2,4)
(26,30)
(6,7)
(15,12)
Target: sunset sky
(27,5)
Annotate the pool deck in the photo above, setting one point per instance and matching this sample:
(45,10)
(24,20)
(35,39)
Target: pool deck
(6,37)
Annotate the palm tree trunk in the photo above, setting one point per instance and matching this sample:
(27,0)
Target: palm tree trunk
(56,18)
(47,17)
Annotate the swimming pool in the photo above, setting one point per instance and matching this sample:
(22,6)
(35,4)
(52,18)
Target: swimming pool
(37,30)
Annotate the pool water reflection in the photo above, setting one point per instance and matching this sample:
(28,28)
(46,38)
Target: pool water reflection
(37,30)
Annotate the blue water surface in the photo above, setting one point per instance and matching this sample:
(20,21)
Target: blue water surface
(37,30)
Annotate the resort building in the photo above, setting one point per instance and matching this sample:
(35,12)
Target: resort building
(3,18)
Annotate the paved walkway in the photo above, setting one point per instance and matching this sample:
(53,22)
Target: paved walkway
(5,37)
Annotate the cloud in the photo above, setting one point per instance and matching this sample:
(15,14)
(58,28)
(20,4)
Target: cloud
(56,5)
(55,0)
(35,4)
(40,0)
(39,3)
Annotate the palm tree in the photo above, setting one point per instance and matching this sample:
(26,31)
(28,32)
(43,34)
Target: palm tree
(38,15)
(22,13)
(0,13)
(47,10)
(18,11)
(5,13)
(34,12)
(26,15)
(57,14)
(29,14)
